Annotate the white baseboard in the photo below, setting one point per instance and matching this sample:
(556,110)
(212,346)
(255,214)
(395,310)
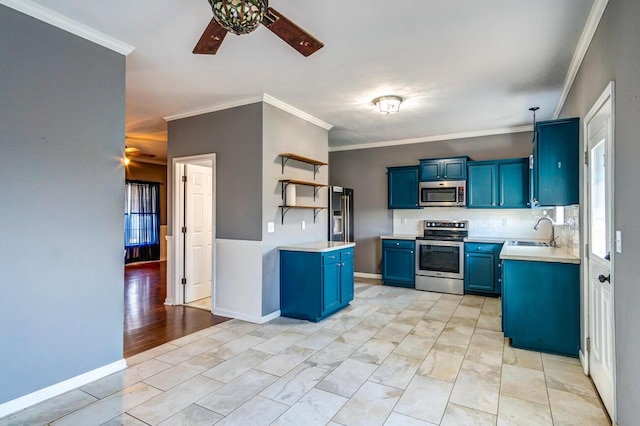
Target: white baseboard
(585,362)
(367,275)
(169,302)
(60,388)
(244,317)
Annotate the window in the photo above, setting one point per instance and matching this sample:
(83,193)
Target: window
(142,221)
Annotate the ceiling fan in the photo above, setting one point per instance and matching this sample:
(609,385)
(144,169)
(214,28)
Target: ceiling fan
(132,151)
(244,16)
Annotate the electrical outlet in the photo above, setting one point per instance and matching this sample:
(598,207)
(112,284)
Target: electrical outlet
(271,227)
(619,241)
(403,221)
(504,221)
(304,225)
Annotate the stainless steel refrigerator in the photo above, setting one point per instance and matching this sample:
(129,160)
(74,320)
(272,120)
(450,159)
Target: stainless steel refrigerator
(340,214)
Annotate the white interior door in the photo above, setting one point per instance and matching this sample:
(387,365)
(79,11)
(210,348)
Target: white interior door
(198,240)
(599,134)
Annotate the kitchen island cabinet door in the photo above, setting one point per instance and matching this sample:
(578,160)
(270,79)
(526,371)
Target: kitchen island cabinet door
(331,293)
(314,285)
(541,306)
(346,277)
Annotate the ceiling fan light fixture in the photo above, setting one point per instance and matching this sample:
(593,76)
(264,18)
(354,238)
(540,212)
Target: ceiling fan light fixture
(388,104)
(239,16)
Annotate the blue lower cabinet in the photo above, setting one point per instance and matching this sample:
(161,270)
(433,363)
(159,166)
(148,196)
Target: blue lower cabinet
(541,306)
(398,263)
(314,285)
(482,273)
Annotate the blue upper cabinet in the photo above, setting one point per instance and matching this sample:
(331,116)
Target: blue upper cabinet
(556,162)
(482,184)
(443,169)
(402,187)
(498,184)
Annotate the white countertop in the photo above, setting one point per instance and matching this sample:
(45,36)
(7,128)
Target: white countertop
(538,254)
(497,240)
(398,237)
(318,246)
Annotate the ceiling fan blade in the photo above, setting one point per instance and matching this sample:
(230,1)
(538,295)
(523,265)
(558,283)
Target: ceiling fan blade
(140,154)
(211,39)
(292,34)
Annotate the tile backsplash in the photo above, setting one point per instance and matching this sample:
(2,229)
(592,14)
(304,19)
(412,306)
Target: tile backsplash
(507,223)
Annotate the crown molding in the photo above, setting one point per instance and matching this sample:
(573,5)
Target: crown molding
(214,108)
(268,99)
(69,25)
(597,10)
(295,111)
(437,138)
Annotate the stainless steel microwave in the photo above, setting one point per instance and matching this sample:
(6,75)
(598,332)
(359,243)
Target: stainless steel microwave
(444,193)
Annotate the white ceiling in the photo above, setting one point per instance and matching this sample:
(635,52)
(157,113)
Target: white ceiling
(462,65)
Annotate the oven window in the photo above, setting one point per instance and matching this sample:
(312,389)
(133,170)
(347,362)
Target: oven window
(435,195)
(439,258)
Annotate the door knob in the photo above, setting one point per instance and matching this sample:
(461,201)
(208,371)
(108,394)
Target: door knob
(602,278)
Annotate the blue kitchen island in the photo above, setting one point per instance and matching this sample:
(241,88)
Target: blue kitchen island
(316,279)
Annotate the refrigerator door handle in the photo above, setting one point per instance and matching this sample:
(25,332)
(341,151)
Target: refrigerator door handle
(347,210)
(345,218)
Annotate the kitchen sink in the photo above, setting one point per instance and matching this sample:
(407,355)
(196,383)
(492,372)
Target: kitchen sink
(529,243)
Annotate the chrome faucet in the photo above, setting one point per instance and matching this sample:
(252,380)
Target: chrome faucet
(552,240)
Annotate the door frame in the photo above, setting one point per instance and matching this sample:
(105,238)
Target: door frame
(176,254)
(607,94)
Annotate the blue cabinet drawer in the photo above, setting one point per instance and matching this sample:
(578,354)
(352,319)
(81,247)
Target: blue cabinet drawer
(346,254)
(406,244)
(482,247)
(331,257)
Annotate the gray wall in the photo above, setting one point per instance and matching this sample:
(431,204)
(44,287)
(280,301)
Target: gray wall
(365,170)
(614,54)
(284,132)
(235,136)
(62,119)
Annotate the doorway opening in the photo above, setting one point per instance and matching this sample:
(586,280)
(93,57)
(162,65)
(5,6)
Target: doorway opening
(600,248)
(192,280)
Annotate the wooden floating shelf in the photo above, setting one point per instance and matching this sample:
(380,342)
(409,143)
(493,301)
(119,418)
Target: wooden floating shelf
(292,156)
(286,156)
(302,182)
(316,210)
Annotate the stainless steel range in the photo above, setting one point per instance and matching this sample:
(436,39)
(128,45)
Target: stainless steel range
(440,256)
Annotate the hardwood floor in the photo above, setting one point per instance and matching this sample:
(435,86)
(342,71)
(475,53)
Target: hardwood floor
(147,321)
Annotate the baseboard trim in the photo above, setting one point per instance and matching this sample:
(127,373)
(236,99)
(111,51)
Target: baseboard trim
(28,400)
(169,302)
(585,362)
(244,317)
(367,275)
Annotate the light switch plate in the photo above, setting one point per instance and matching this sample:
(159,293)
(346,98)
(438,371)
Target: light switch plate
(304,225)
(619,241)
(271,227)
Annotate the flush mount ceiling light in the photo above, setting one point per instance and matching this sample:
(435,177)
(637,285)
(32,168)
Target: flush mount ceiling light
(388,104)
(239,16)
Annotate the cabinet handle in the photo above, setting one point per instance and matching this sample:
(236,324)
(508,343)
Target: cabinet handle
(397,244)
(411,252)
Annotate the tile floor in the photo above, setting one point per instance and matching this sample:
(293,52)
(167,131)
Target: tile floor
(201,304)
(394,357)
